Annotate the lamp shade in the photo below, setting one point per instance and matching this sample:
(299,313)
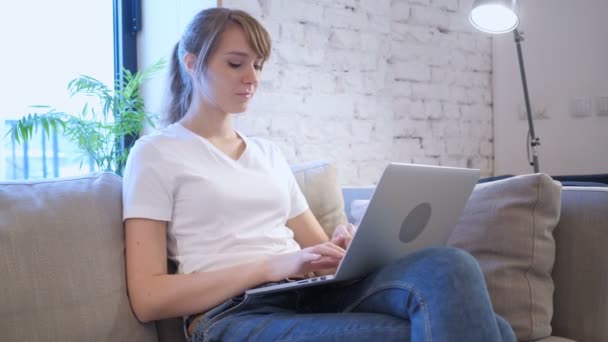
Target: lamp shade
(494,16)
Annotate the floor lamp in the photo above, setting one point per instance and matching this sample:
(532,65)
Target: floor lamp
(501,16)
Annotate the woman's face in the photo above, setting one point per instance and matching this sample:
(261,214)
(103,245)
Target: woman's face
(232,74)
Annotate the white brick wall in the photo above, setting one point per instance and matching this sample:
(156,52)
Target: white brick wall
(364,82)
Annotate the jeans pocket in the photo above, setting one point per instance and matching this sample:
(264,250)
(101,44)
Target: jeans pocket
(219,312)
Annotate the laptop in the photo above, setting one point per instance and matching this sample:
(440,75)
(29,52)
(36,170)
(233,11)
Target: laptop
(413,207)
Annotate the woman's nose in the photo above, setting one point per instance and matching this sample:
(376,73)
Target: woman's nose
(251,75)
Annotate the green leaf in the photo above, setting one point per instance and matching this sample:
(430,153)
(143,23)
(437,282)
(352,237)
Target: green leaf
(45,125)
(85,110)
(24,132)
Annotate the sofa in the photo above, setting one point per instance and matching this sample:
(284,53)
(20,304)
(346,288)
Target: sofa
(63,273)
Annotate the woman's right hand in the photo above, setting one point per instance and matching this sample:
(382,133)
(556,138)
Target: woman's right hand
(315,258)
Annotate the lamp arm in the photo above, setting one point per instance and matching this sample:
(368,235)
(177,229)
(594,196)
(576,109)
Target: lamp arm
(534,141)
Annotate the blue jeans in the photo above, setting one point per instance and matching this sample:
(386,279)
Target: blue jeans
(437,294)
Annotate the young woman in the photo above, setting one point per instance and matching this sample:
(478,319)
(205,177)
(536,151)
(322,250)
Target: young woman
(228,212)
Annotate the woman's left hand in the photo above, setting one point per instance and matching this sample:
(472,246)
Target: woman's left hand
(343,235)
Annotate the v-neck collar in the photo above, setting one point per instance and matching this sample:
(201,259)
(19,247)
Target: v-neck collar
(214,148)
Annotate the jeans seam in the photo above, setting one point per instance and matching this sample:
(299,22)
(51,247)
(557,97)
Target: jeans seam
(402,286)
(215,319)
(353,330)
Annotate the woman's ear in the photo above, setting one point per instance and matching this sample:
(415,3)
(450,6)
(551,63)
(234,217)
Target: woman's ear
(190,62)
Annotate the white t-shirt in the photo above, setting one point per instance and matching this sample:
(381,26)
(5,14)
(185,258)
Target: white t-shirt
(220,211)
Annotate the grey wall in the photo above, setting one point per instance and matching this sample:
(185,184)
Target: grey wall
(566,59)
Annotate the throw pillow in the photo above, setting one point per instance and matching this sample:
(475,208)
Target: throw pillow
(319,184)
(507,226)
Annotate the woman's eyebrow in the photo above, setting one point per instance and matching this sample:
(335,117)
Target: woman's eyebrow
(242,54)
(237,53)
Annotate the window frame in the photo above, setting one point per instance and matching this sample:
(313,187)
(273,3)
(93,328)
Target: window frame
(127,24)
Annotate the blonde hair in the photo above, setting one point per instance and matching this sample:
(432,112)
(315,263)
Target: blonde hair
(200,38)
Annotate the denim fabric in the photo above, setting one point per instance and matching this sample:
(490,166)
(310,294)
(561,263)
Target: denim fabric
(437,294)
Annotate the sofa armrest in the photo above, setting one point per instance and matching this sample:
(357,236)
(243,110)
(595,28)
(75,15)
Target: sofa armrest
(580,272)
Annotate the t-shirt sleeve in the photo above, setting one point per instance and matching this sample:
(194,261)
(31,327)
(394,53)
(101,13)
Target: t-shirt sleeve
(146,190)
(297,201)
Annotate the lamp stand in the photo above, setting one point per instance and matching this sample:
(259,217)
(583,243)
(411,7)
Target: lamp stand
(534,141)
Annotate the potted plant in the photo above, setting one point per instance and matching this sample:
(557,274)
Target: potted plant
(97,131)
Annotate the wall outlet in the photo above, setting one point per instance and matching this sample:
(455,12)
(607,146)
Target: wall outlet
(601,105)
(581,107)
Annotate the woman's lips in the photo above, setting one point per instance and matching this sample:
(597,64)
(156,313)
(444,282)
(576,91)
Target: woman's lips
(245,95)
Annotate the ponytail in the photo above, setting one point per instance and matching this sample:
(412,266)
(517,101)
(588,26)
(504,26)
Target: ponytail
(181,89)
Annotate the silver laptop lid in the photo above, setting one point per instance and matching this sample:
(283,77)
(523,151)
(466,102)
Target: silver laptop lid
(413,207)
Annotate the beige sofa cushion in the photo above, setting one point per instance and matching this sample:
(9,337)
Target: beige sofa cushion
(507,226)
(581,271)
(319,184)
(62,262)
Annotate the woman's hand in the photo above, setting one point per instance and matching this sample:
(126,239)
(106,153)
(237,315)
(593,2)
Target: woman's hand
(315,258)
(343,235)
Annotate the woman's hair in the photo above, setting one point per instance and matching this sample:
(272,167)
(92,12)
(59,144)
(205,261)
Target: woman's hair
(200,38)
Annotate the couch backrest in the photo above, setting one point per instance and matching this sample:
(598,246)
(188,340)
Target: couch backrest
(580,272)
(62,262)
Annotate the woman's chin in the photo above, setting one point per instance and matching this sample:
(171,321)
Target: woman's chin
(238,109)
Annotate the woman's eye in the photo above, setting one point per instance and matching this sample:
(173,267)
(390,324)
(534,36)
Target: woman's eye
(234,65)
(258,67)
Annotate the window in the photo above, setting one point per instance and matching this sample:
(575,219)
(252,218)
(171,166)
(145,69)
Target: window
(46,44)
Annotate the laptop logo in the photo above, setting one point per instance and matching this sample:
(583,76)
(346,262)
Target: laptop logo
(415,222)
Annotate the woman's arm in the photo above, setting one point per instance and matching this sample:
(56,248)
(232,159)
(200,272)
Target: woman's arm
(154,294)
(307,230)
